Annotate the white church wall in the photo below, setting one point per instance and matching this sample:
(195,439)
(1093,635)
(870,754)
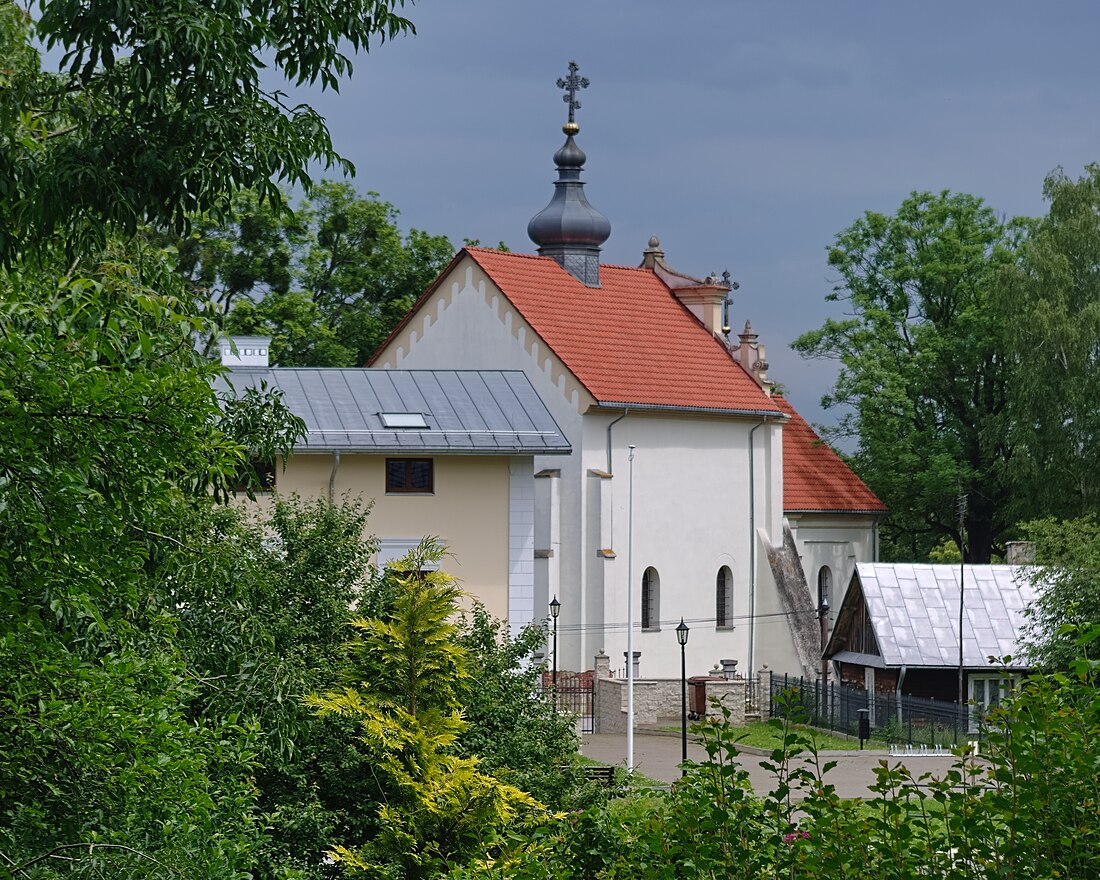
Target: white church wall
(835,542)
(690,504)
(690,519)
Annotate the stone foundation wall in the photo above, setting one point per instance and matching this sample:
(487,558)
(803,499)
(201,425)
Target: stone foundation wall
(653,699)
(658,700)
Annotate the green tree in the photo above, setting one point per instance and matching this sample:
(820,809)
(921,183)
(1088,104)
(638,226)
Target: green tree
(246,253)
(112,442)
(512,725)
(1052,295)
(262,605)
(1067,581)
(923,368)
(300,336)
(159,110)
(109,434)
(438,809)
(327,282)
(1025,810)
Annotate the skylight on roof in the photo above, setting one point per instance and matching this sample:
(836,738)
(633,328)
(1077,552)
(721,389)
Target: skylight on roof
(403,420)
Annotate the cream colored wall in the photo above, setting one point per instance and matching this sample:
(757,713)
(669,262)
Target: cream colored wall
(468,510)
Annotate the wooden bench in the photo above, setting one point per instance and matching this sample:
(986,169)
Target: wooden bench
(599,775)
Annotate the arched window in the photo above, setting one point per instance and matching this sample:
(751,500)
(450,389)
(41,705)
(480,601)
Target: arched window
(723,598)
(651,599)
(825,589)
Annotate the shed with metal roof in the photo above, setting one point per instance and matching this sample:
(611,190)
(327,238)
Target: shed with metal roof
(898,626)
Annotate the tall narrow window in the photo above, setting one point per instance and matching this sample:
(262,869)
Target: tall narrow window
(723,598)
(825,590)
(651,599)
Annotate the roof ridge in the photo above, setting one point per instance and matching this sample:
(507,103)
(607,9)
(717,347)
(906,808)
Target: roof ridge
(488,250)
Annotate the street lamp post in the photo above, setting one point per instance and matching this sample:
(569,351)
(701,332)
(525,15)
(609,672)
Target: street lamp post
(630,617)
(823,614)
(682,637)
(555,610)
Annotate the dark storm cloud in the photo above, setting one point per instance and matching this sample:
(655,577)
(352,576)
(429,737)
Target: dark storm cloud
(746,135)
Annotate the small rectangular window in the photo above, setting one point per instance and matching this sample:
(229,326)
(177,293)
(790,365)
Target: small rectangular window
(412,475)
(987,692)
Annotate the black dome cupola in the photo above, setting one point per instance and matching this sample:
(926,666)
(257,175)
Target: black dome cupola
(569,229)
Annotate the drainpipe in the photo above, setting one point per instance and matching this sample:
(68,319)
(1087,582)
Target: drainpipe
(332,476)
(752,550)
(611,425)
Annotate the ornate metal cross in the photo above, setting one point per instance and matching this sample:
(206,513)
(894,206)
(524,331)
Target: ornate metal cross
(571,83)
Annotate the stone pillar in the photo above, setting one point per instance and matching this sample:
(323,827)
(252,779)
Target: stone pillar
(637,662)
(602,666)
(764,692)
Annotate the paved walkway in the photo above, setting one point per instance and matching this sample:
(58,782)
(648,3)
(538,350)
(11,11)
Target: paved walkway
(659,758)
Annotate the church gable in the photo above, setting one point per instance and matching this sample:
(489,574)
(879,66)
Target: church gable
(464,318)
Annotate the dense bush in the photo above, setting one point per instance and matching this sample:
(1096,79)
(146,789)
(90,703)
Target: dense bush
(1026,810)
(514,729)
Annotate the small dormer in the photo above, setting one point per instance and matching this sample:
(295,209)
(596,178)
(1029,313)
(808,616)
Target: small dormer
(706,298)
(245,351)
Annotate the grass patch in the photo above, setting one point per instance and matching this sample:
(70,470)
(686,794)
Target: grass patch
(763,735)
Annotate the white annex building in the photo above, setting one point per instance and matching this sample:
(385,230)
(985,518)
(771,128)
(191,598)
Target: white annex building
(732,515)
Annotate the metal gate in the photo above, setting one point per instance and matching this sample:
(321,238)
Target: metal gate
(573,694)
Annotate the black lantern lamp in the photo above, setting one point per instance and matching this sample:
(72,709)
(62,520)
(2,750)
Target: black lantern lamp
(555,610)
(682,637)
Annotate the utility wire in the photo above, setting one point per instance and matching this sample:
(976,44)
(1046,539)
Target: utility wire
(620,626)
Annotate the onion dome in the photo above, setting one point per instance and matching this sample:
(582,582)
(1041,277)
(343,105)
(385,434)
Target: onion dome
(569,229)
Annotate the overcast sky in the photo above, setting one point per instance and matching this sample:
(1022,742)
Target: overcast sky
(745,135)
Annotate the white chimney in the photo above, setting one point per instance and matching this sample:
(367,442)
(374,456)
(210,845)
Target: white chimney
(244,351)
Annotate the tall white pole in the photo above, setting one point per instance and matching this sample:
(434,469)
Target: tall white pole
(630,621)
(962,594)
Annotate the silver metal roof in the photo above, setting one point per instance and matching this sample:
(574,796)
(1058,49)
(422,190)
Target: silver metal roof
(468,412)
(914,610)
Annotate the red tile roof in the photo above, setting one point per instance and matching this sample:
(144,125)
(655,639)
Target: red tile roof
(651,351)
(814,477)
(628,341)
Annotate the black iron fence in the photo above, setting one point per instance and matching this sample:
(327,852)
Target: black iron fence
(894,718)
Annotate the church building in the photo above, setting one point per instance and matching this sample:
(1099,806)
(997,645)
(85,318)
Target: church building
(692,488)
